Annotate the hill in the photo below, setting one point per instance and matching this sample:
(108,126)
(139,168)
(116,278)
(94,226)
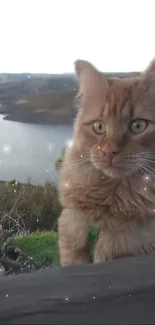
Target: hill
(41,98)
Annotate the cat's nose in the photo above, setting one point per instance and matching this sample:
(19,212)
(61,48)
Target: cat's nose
(111,151)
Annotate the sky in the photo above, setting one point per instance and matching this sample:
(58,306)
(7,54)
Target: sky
(47,36)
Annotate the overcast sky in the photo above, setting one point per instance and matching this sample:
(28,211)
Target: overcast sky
(49,35)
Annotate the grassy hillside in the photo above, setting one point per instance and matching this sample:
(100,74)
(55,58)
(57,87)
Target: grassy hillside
(40,98)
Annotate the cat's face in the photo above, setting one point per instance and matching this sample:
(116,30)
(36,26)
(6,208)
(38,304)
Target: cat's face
(115,125)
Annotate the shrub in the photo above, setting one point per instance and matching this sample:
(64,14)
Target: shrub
(29,207)
(59,161)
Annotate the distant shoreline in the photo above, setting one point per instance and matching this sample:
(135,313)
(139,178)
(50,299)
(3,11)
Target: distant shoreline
(45,119)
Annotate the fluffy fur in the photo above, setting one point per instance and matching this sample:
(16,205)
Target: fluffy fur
(107,179)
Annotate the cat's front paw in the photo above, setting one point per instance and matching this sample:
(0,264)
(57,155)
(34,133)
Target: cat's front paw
(74,260)
(98,261)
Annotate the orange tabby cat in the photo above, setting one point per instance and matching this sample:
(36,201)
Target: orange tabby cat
(107,179)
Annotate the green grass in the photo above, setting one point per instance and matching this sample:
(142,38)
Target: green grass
(43,246)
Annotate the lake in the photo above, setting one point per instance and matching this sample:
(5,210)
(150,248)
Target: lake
(30,150)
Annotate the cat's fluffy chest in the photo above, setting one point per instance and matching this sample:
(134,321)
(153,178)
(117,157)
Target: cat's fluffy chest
(109,202)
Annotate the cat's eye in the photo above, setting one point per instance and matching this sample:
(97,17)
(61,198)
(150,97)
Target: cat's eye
(99,127)
(138,126)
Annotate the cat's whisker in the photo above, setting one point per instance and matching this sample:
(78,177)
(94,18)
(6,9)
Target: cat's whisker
(143,187)
(145,165)
(139,172)
(139,163)
(136,171)
(147,172)
(138,158)
(80,162)
(84,164)
(88,171)
(91,173)
(145,154)
(149,158)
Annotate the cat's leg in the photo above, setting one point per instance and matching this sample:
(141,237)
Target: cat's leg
(72,237)
(103,249)
(109,247)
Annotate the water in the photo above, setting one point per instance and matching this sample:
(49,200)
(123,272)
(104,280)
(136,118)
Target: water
(30,150)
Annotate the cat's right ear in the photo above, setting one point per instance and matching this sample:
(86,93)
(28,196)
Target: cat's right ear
(150,70)
(89,78)
(148,79)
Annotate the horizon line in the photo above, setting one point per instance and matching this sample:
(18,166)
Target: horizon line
(62,73)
